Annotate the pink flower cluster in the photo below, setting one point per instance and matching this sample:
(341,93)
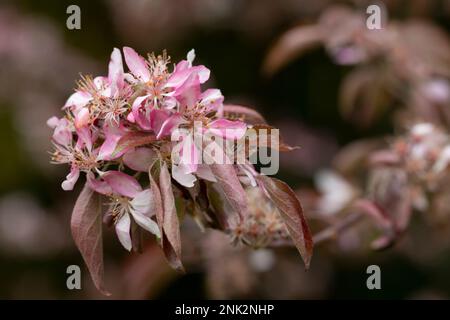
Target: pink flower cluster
(115,127)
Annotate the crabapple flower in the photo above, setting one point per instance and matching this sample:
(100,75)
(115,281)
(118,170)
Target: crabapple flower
(154,147)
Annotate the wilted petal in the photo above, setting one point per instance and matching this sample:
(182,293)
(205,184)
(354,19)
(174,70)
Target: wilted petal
(122,184)
(115,72)
(123,231)
(228,129)
(139,159)
(71,179)
(136,64)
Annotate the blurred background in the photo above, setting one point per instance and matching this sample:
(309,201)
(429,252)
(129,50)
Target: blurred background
(40,60)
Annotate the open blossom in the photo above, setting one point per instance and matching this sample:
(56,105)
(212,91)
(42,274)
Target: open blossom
(154,146)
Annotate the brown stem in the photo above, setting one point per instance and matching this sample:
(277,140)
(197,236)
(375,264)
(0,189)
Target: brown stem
(334,230)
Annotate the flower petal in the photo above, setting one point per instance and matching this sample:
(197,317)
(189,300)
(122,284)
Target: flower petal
(82,118)
(115,72)
(212,99)
(139,159)
(228,129)
(189,92)
(141,113)
(168,125)
(183,71)
(146,223)
(123,231)
(62,134)
(77,100)
(53,122)
(142,202)
(71,179)
(98,185)
(113,133)
(84,138)
(136,64)
(185,179)
(122,183)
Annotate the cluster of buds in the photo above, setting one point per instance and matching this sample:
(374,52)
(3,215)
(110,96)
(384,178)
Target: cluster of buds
(140,138)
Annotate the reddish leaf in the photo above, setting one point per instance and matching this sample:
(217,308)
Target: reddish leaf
(86,225)
(171,225)
(242,113)
(219,205)
(292,213)
(231,186)
(156,194)
(166,213)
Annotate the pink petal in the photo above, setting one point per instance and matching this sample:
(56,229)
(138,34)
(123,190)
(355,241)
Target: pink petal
(53,122)
(189,93)
(136,64)
(82,118)
(71,179)
(185,179)
(189,154)
(98,185)
(130,117)
(123,231)
(77,100)
(122,183)
(228,129)
(168,125)
(139,159)
(212,99)
(183,71)
(84,138)
(113,133)
(203,73)
(62,134)
(157,119)
(141,113)
(115,72)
